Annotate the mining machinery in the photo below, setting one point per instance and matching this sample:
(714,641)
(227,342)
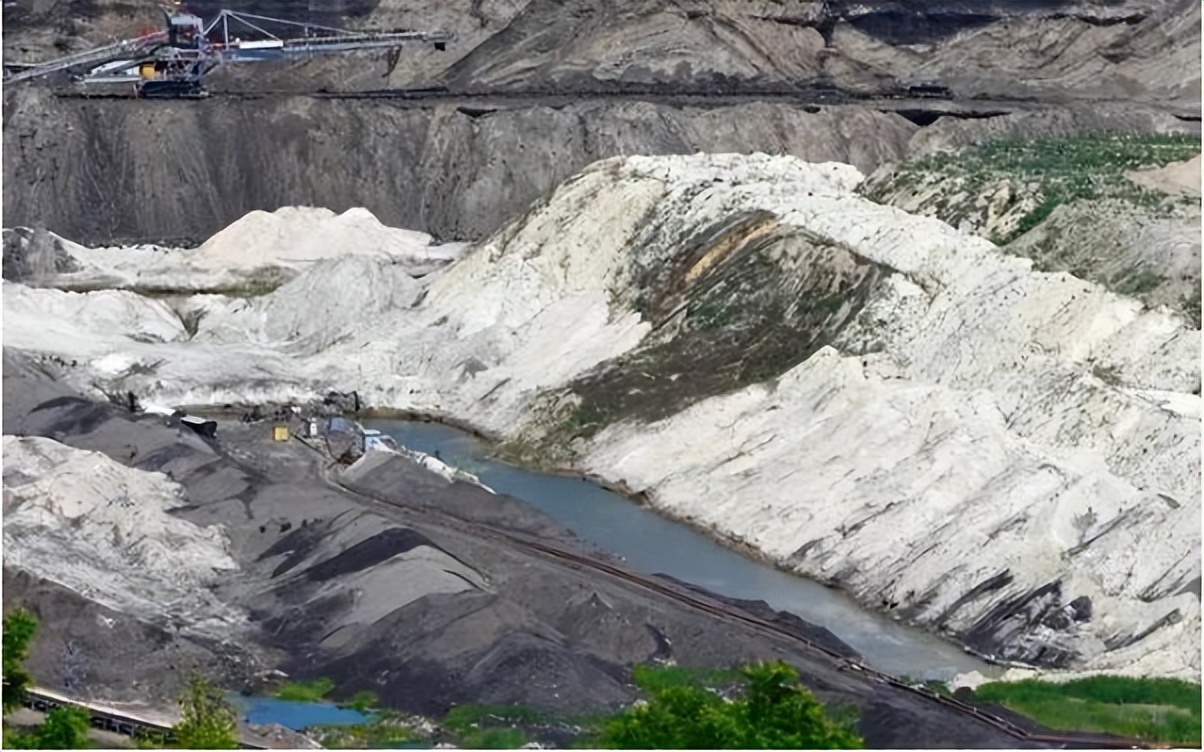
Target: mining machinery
(172,63)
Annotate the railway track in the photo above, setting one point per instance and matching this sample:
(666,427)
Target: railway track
(486,101)
(1076,740)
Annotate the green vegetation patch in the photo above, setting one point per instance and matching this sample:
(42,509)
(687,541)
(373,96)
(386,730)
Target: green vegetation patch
(761,706)
(207,720)
(63,728)
(494,726)
(388,730)
(463,718)
(1163,710)
(512,726)
(19,628)
(363,701)
(1064,169)
(652,679)
(771,710)
(312,691)
(745,304)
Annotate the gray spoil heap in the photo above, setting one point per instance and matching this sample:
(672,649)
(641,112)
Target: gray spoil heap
(511,114)
(401,582)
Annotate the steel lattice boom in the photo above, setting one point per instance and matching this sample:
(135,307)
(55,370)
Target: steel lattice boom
(173,63)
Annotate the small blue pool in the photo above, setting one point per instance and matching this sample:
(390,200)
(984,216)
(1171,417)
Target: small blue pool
(297,715)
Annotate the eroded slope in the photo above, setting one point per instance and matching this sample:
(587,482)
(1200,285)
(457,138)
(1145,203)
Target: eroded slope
(866,396)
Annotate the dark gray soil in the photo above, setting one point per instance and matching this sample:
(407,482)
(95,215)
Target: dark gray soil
(458,174)
(521,628)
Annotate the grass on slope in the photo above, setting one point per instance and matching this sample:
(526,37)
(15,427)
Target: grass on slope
(1165,710)
(492,726)
(1066,169)
(654,678)
(389,731)
(312,691)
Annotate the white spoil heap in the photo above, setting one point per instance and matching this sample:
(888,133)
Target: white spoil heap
(104,530)
(1003,442)
(256,251)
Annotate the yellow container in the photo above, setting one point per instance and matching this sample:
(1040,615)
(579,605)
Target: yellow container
(280,433)
(147,70)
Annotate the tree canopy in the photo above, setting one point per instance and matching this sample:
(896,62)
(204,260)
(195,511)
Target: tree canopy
(19,628)
(207,720)
(64,728)
(773,711)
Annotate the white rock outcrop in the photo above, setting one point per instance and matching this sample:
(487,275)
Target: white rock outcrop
(1010,456)
(104,530)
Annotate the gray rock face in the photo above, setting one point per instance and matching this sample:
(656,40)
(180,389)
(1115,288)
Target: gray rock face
(103,171)
(30,254)
(997,48)
(113,170)
(1061,50)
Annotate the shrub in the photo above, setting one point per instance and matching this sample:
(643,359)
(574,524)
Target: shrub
(312,691)
(1158,709)
(774,712)
(64,728)
(19,628)
(208,721)
(363,700)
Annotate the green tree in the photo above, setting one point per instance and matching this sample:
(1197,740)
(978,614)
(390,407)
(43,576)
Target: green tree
(19,628)
(19,739)
(207,720)
(773,712)
(64,728)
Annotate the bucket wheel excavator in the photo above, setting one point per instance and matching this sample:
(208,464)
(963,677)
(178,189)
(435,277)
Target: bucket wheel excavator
(172,63)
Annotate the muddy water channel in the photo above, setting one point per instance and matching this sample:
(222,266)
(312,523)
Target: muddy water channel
(652,544)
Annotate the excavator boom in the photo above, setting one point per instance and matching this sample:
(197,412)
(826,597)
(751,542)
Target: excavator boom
(173,63)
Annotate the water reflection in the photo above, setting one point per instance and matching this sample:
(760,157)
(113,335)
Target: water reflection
(653,544)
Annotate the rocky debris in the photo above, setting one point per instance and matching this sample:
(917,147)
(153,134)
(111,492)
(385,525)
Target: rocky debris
(1142,51)
(1096,119)
(460,168)
(85,649)
(104,530)
(748,435)
(624,45)
(302,235)
(256,254)
(894,335)
(1005,49)
(1149,255)
(32,254)
(492,638)
(275,736)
